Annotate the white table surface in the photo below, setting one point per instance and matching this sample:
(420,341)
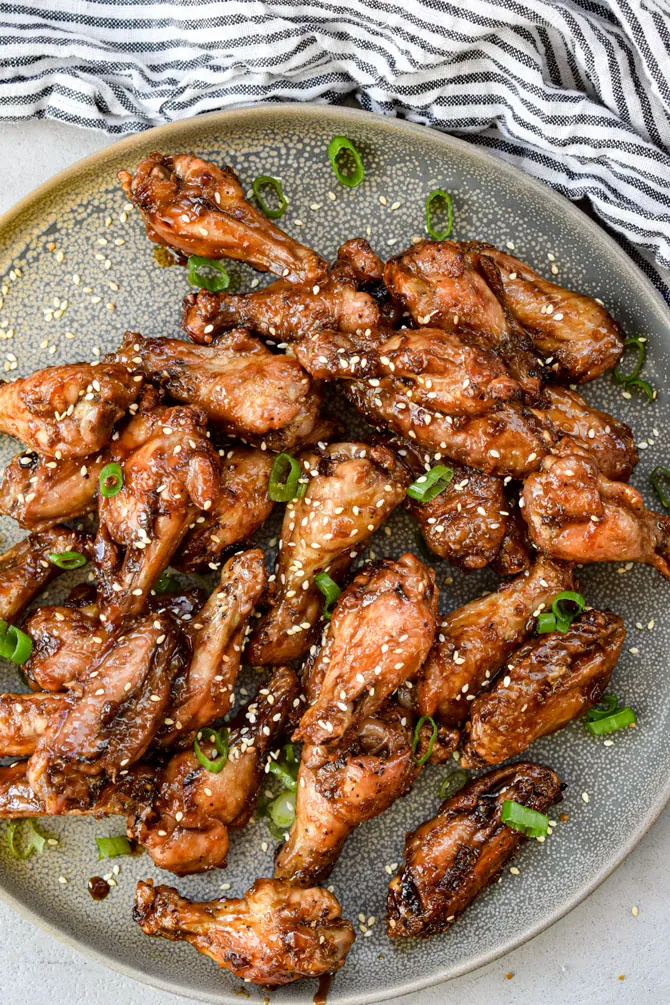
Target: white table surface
(578,960)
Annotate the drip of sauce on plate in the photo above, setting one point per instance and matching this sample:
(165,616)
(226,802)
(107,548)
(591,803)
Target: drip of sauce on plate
(323,989)
(98,887)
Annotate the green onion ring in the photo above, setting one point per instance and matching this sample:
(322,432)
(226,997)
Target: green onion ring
(624,378)
(285,768)
(110,480)
(281,810)
(564,618)
(34,840)
(656,477)
(220,741)
(417,736)
(335,148)
(68,559)
(111,847)
(436,194)
(273,183)
(221,281)
(643,385)
(607,704)
(546,622)
(610,723)
(284,476)
(15,645)
(453,783)
(330,590)
(521,818)
(428,486)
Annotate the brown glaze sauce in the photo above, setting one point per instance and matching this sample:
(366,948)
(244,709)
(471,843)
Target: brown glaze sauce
(98,887)
(322,991)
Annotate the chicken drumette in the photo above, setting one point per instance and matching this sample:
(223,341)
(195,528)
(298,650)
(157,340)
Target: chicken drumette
(273,935)
(41,491)
(26,568)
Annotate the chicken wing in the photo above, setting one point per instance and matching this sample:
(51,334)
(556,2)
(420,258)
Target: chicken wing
(170,473)
(339,791)
(450,859)
(576,514)
(39,492)
(352,489)
(548,681)
(23,719)
(381,631)
(67,411)
(109,718)
(65,641)
(25,569)
(242,506)
(198,208)
(273,935)
(474,641)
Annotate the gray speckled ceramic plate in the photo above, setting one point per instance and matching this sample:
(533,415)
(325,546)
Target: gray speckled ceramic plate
(77,270)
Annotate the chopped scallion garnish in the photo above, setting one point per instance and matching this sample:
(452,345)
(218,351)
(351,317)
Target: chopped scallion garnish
(417,737)
(623,378)
(643,385)
(521,818)
(607,716)
(32,840)
(111,480)
(284,483)
(657,477)
(220,741)
(267,181)
(428,486)
(220,280)
(439,201)
(453,783)
(68,559)
(343,154)
(112,847)
(15,645)
(561,616)
(285,768)
(330,590)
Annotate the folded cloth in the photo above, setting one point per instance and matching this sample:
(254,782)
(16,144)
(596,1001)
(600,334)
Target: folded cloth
(575,92)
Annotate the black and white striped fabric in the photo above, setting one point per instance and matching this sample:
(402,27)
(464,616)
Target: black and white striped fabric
(575,92)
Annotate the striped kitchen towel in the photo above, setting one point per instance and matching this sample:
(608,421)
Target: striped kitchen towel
(575,92)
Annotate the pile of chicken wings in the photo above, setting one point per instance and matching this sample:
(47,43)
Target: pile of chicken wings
(456,354)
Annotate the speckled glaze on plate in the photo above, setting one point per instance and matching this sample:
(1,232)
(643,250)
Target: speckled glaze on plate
(79,225)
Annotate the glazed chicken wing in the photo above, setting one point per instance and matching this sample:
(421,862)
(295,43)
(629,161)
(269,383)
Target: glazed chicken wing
(67,411)
(65,641)
(170,473)
(273,935)
(25,569)
(576,514)
(351,490)
(242,505)
(39,492)
(474,641)
(450,859)
(381,631)
(23,719)
(548,682)
(339,791)
(241,386)
(198,208)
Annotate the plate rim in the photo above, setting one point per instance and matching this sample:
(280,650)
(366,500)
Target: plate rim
(622,261)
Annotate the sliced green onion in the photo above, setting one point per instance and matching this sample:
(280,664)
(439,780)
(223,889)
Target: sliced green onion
(437,196)
(15,645)
(643,385)
(453,783)
(521,818)
(166,584)
(68,559)
(113,847)
(219,281)
(417,737)
(283,485)
(610,723)
(607,704)
(546,622)
(565,616)
(340,145)
(267,180)
(623,378)
(220,741)
(285,768)
(281,812)
(657,476)
(111,480)
(330,590)
(428,486)
(33,840)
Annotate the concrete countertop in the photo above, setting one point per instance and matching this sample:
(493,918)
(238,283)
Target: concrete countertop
(600,953)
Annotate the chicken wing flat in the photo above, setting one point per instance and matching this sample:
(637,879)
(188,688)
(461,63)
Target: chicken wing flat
(182,818)
(548,682)
(65,641)
(67,411)
(198,208)
(170,473)
(450,859)
(352,489)
(576,514)
(339,791)
(576,333)
(273,935)
(23,719)
(109,718)
(242,505)
(39,492)
(25,569)
(474,641)
(381,631)
(217,635)
(241,386)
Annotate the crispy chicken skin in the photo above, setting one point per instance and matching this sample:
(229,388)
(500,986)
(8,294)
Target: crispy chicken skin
(183,817)
(381,631)
(217,636)
(580,339)
(339,791)
(450,859)
(351,491)
(67,411)
(198,208)
(23,719)
(241,386)
(242,505)
(549,681)
(474,641)
(25,569)
(39,492)
(273,935)
(110,716)
(170,473)
(576,514)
